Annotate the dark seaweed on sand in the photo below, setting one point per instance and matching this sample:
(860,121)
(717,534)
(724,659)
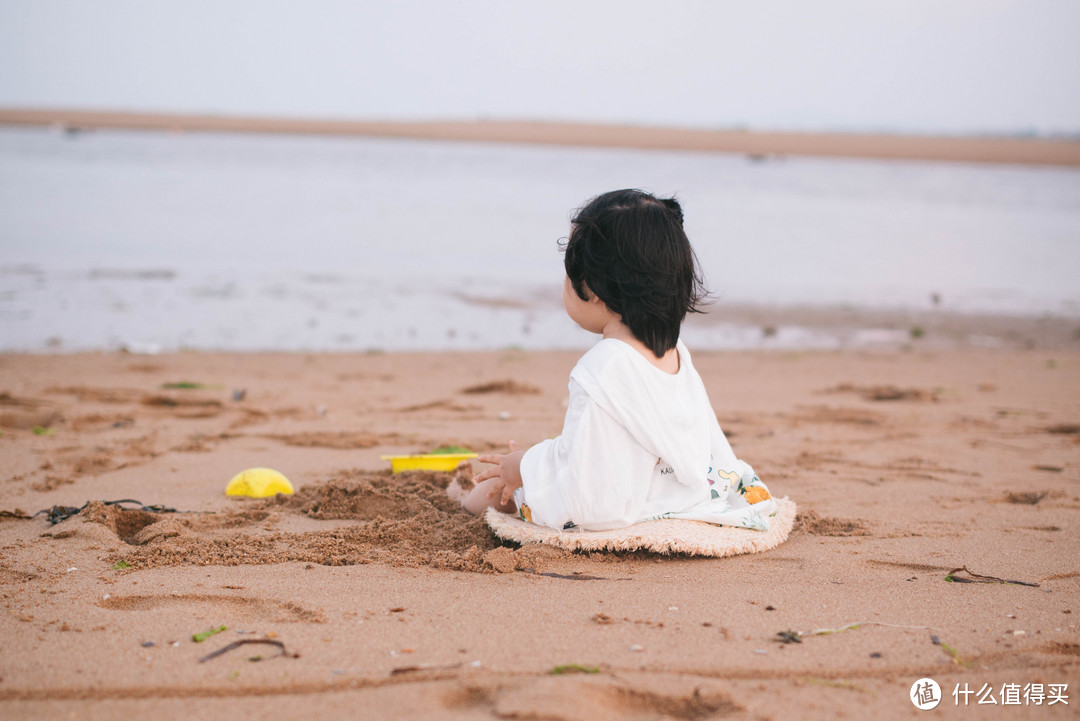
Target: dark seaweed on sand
(954,577)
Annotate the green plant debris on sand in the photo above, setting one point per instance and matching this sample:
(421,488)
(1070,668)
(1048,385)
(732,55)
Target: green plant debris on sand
(448,450)
(200,637)
(424,667)
(953,654)
(192,386)
(573,668)
(828,631)
(120,565)
(954,576)
(837,683)
(42,431)
(790,636)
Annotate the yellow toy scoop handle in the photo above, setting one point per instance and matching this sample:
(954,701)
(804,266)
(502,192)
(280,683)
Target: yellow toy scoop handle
(258,483)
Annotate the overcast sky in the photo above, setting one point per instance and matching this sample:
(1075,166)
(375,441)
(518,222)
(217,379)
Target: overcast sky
(907,65)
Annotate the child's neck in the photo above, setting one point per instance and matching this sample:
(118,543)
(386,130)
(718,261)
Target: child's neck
(669,362)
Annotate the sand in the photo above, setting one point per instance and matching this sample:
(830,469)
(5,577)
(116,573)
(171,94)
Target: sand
(905,465)
(758,145)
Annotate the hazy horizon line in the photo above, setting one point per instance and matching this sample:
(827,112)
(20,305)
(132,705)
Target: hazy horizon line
(757,143)
(733,127)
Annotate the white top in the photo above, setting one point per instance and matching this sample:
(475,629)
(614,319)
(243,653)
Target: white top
(638,444)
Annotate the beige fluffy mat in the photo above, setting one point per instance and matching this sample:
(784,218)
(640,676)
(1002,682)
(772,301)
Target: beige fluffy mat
(664,536)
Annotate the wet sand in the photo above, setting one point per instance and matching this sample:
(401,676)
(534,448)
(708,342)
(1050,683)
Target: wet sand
(759,145)
(905,466)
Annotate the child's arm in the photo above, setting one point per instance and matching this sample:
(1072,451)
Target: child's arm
(506,473)
(593,475)
(743,486)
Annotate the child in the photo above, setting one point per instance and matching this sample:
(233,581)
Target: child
(640,440)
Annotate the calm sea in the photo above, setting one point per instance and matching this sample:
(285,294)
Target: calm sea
(255,242)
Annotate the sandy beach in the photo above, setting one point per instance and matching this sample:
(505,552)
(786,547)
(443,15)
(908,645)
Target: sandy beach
(757,144)
(904,465)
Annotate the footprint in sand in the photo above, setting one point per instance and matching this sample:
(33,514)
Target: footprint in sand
(509,387)
(565,698)
(186,407)
(10,575)
(98,395)
(247,608)
(342,440)
(924,567)
(810,522)
(885,392)
(26,413)
(441,405)
(838,415)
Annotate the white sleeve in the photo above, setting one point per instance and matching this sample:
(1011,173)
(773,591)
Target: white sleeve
(725,468)
(722,455)
(734,475)
(593,475)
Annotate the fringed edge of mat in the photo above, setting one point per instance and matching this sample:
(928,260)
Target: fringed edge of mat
(668,535)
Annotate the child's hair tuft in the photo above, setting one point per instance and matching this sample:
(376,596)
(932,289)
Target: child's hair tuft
(629,248)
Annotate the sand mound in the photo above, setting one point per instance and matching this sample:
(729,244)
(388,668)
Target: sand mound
(403,520)
(365,497)
(127,524)
(810,522)
(321,439)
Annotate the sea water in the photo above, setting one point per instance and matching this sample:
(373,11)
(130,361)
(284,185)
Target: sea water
(165,241)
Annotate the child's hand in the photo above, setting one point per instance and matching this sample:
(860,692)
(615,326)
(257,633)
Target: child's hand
(506,471)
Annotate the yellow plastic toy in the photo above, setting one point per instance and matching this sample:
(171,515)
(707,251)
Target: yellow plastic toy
(258,483)
(427,461)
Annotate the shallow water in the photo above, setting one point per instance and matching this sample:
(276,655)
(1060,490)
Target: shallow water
(246,242)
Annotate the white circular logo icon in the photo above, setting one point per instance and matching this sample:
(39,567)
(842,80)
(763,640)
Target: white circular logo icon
(925,694)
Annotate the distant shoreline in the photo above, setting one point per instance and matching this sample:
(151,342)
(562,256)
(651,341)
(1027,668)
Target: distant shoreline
(757,145)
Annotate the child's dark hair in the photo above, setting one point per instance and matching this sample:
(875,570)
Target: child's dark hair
(629,248)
